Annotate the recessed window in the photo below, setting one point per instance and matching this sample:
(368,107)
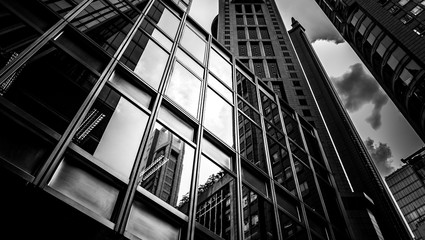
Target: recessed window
(420,30)
(303,102)
(394,9)
(288,60)
(416,10)
(291,67)
(403,2)
(293,75)
(406,19)
(299,92)
(306,113)
(296,83)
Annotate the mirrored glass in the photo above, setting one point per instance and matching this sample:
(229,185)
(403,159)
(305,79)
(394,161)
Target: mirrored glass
(135,92)
(176,123)
(146,59)
(221,68)
(317,224)
(218,117)
(167,171)
(332,204)
(292,129)
(156,34)
(251,142)
(217,154)
(184,89)
(190,63)
(216,207)
(219,87)
(246,89)
(112,131)
(78,183)
(192,42)
(61,7)
(258,216)
(291,229)
(313,147)
(249,111)
(288,203)
(164,19)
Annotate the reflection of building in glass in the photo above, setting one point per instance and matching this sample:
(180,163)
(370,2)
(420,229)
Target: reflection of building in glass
(163,166)
(408,187)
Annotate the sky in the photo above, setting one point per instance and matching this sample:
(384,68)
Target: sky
(386,134)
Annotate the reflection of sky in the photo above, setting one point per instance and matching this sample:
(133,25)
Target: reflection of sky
(151,64)
(186,172)
(119,144)
(218,117)
(169,23)
(207,169)
(184,89)
(219,87)
(193,43)
(221,68)
(215,153)
(139,95)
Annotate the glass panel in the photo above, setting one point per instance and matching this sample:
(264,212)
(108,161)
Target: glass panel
(192,42)
(155,33)
(291,229)
(251,142)
(258,217)
(190,63)
(167,171)
(395,58)
(219,117)
(146,59)
(219,87)
(332,205)
(51,86)
(246,89)
(299,153)
(248,110)
(317,224)
(176,123)
(409,72)
(145,223)
(136,93)
(254,178)
(164,19)
(216,208)
(292,129)
(218,155)
(281,166)
(184,89)
(383,45)
(112,131)
(290,205)
(221,68)
(373,34)
(88,190)
(313,147)
(61,7)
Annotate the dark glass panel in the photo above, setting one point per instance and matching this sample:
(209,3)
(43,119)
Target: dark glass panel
(246,89)
(167,171)
(291,229)
(61,7)
(176,123)
(218,155)
(248,110)
(333,206)
(121,83)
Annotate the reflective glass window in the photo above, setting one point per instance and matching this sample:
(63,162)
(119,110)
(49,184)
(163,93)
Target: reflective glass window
(112,131)
(365,23)
(218,155)
(396,57)
(190,63)
(176,123)
(403,2)
(61,7)
(219,87)
(135,92)
(192,42)
(383,45)
(249,111)
(292,128)
(409,72)
(146,223)
(288,203)
(374,34)
(80,184)
(317,224)
(146,59)
(51,87)
(156,34)
(416,10)
(220,67)
(216,206)
(167,168)
(218,117)
(332,204)
(291,229)
(356,17)
(246,89)
(258,217)
(184,89)
(164,19)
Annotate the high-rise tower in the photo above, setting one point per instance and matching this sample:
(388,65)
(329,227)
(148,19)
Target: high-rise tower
(388,36)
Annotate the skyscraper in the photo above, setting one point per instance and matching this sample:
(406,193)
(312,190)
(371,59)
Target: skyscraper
(255,33)
(126,120)
(388,36)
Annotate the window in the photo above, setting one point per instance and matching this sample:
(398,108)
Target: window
(303,102)
(403,2)
(356,17)
(288,60)
(383,45)
(273,69)
(293,75)
(394,9)
(296,83)
(420,30)
(406,19)
(241,33)
(416,10)
(291,67)
(396,57)
(268,49)
(299,92)
(252,32)
(243,51)
(306,113)
(255,49)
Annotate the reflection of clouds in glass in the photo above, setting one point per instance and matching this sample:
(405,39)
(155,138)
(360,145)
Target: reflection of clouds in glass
(184,89)
(207,170)
(221,68)
(151,64)
(219,87)
(193,43)
(169,23)
(218,117)
(218,155)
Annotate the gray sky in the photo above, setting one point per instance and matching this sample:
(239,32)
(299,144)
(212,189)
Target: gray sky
(387,135)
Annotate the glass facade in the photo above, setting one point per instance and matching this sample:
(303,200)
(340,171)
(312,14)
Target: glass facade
(136,126)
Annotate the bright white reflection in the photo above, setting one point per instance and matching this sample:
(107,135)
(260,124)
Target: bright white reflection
(218,117)
(219,87)
(215,153)
(193,43)
(119,144)
(221,68)
(151,64)
(184,89)
(168,22)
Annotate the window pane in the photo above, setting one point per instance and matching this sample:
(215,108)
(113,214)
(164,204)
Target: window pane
(184,89)
(216,207)
(155,33)
(190,63)
(218,117)
(138,94)
(221,68)
(193,43)
(146,58)
(164,19)
(82,186)
(176,123)
(383,46)
(247,89)
(219,87)
(218,155)
(291,229)
(252,143)
(167,172)
(112,131)
(395,58)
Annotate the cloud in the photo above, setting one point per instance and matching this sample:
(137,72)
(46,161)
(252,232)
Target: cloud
(357,88)
(381,155)
(322,32)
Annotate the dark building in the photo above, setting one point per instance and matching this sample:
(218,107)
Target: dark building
(408,187)
(372,200)
(126,120)
(388,36)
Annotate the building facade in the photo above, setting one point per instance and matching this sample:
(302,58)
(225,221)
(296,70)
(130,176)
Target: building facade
(388,35)
(408,187)
(127,120)
(255,33)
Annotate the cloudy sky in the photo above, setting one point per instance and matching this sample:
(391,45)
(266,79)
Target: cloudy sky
(385,132)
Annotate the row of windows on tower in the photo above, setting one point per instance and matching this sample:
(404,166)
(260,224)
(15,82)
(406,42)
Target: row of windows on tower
(407,11)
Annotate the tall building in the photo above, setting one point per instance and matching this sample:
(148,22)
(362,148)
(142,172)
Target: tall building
(255,33)
(388,36)
(370,194)
(408,187)
(126,120)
